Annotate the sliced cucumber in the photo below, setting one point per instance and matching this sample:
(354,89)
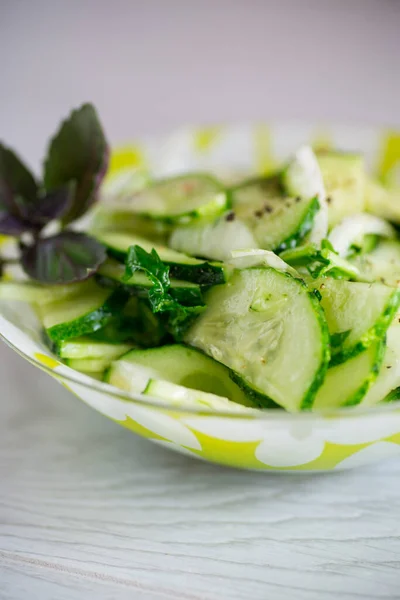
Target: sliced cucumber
(358,314)
(244,259)
(177,364)
(314,262)
(365,245)
(346,384)
(392,396)
(382,201)
(277,222)
(83,314)
(109,220)
(352,229)
(85,347)
(98,375)
(303,178)
(382,264)
(136,324)
(88,365)
(389,376)
(259,324)
(112,273)
(30,291)
(181,265)
(183,397)
(213,240)
(179,199)
(344,181)
(123,184)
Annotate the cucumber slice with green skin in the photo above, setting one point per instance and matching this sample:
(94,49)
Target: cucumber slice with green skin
(85,347)
(184,397)
(368,243)
(382,201)
(258,325)
(106,220)
(98,375)
(112,273)
(389,376)
(277,222)
(392,396)
(180,199)
(177,364)
(382,264)
(214,240)
(244,259)
(358,313)
(354,228)
(88,365)
(346,384)
(136,324)
(82,315)
(323,262)
(303,178)
(181,265)
(30,291)
(344,181)
(123,184)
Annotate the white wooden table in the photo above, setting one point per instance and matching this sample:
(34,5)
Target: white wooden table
(87,510)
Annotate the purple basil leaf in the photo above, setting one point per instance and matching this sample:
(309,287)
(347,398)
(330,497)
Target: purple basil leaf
(10,225)
(18,188)
(78,152)
(54,205)
(63,258)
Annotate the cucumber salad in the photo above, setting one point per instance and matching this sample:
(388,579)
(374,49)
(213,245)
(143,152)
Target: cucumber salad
(279,291)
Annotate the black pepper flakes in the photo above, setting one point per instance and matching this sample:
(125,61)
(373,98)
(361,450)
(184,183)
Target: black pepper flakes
(230,216)
(297,199)
(328,199)
(268,208)
(258,213)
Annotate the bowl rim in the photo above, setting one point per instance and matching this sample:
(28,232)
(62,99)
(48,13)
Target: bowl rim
(262,414)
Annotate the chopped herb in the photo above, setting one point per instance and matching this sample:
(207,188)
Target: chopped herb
(159,295)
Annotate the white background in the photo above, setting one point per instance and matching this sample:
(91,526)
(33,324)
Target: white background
(87,510)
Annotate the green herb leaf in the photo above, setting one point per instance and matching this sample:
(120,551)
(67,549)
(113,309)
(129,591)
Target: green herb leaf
(158,273)
(180,321)
(63,258)
(78,152)
(159,295)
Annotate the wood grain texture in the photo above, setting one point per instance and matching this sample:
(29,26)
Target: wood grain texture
(89,510)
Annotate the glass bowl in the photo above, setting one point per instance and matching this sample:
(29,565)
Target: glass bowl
(264,440)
